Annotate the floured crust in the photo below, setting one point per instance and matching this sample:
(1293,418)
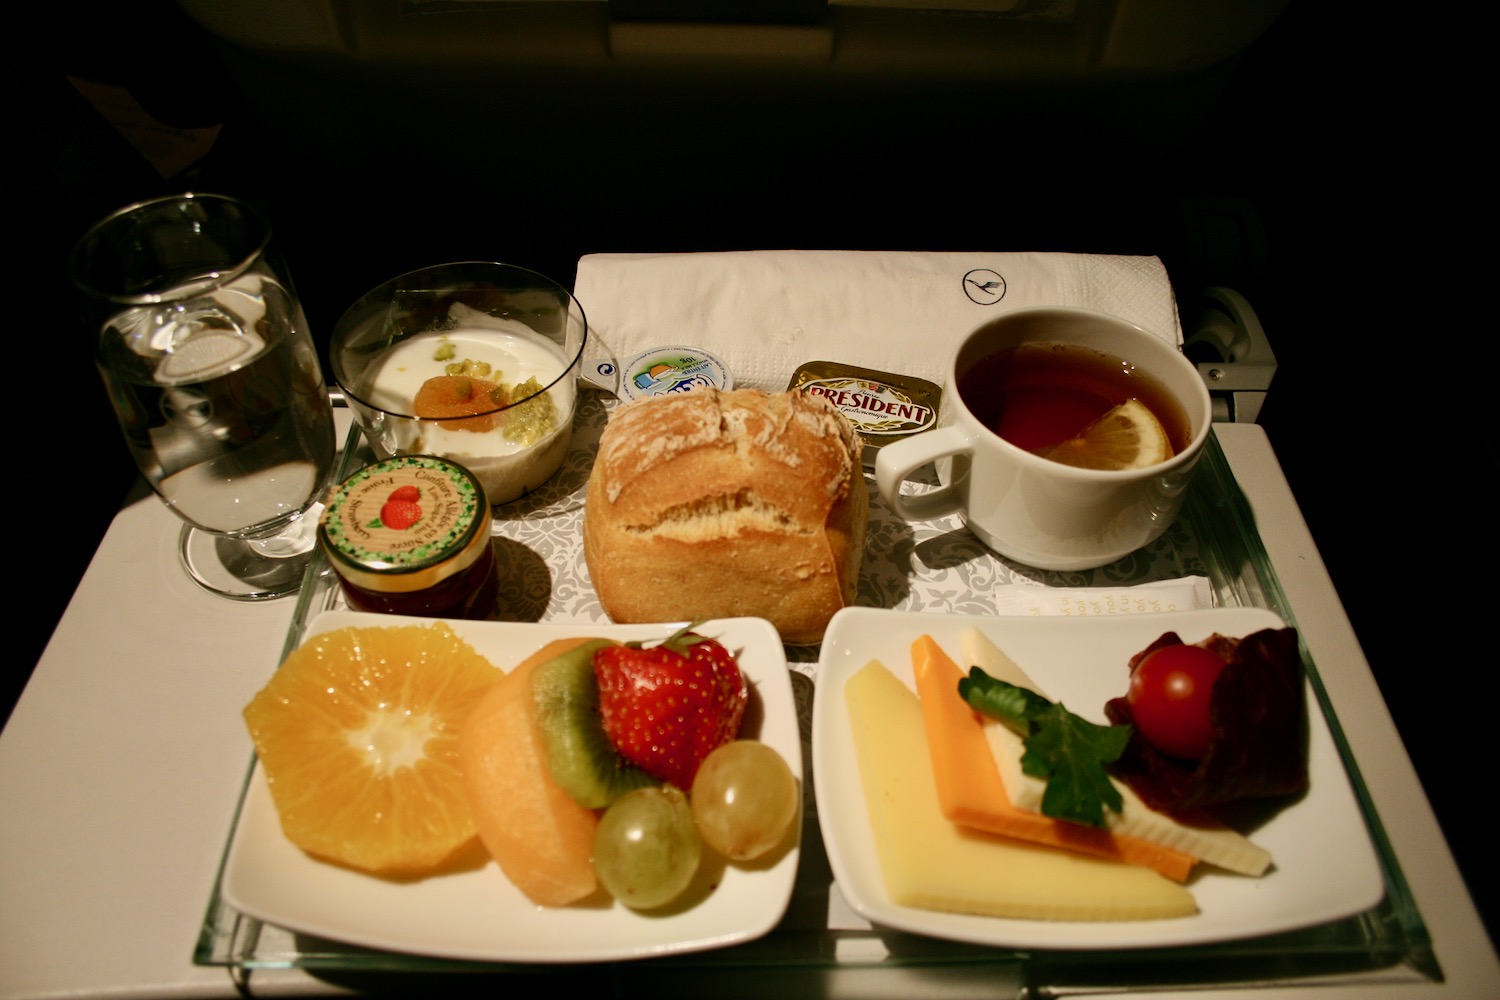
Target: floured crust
(721,504)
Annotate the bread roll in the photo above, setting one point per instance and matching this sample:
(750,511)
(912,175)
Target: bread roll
(719,504)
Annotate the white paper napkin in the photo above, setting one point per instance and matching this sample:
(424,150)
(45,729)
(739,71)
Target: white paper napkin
(767,312)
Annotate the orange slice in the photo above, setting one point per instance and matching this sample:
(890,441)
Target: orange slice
(1127,437)
(358,734)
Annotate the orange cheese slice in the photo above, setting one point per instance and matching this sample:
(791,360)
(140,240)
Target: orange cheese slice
(972,794)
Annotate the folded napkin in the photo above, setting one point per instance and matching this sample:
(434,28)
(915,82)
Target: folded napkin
(767,312)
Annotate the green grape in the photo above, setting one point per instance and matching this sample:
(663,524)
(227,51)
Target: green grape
(745,798)
(646,849)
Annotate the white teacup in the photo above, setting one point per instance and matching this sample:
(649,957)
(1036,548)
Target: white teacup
(1030,509)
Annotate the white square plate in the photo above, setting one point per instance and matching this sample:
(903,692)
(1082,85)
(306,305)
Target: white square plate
(479,915)
(1325,866)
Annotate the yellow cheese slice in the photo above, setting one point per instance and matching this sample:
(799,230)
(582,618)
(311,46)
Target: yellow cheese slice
(1209,841)
(931,863)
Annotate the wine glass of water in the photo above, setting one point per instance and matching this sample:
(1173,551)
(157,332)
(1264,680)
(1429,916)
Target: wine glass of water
(208,362)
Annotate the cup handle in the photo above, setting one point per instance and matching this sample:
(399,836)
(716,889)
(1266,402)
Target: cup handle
(895,463)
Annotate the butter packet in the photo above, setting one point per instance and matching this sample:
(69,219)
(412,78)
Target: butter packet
(883,407)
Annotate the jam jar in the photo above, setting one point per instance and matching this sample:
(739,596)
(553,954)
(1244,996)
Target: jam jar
(410,535)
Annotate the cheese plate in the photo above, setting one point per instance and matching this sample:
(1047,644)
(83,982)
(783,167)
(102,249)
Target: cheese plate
(1325,865)
(477,914)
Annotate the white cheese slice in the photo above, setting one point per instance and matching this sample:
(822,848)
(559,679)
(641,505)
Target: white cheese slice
(931,863)
(1207,841)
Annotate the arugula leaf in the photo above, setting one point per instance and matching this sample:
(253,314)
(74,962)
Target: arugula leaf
(1066,751)
(1070,754)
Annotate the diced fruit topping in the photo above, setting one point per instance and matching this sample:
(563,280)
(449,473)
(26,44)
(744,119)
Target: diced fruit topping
(444,397)
(646,850)
(468,366)
(358,735)
(534,417)
(744,799)
(667,707)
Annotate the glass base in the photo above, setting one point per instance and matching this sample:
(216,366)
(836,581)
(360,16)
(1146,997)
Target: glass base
(250,569)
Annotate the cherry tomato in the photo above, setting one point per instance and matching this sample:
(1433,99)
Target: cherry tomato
(1170,694)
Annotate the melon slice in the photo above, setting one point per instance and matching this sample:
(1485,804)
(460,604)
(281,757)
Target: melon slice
(542,839)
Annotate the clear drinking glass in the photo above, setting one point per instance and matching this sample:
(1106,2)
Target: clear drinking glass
(205,353)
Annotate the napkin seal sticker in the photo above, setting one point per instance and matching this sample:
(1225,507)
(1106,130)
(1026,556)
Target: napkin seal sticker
(883,406)
(664,371)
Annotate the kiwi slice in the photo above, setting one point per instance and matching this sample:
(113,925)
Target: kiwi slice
(580,757)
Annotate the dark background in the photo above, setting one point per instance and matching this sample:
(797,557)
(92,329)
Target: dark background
(1325,174)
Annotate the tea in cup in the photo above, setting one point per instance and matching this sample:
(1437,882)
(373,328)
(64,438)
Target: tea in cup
(1066,439)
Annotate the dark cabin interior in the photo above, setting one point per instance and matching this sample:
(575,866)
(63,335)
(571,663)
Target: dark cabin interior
(1309,170)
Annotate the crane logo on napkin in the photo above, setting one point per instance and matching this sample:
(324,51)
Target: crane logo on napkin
(984,287)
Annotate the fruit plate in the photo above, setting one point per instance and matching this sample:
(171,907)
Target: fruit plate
(1325,867)
(478,914)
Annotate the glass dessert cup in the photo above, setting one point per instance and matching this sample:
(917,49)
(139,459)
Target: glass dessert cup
(474,361)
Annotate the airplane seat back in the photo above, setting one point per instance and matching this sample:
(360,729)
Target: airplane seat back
(415,131)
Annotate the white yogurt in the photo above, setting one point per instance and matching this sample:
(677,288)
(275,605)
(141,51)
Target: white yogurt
(515,354)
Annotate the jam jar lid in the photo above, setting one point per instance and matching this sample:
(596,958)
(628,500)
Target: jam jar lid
(405,524)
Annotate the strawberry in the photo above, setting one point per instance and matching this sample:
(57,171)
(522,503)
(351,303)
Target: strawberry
(407,492)
(666,707)
(398,515)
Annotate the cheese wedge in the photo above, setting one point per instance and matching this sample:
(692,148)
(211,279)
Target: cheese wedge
(1209,841)
(931,863)
(969,786)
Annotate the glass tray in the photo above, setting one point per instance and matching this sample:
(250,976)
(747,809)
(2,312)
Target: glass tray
(934,567)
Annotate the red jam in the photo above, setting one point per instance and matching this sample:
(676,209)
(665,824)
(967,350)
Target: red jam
(411,536)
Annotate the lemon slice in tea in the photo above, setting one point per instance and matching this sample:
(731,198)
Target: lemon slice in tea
(358,735)
(1127,437)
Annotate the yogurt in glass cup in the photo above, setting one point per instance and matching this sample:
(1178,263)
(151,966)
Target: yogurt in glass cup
(518,335)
